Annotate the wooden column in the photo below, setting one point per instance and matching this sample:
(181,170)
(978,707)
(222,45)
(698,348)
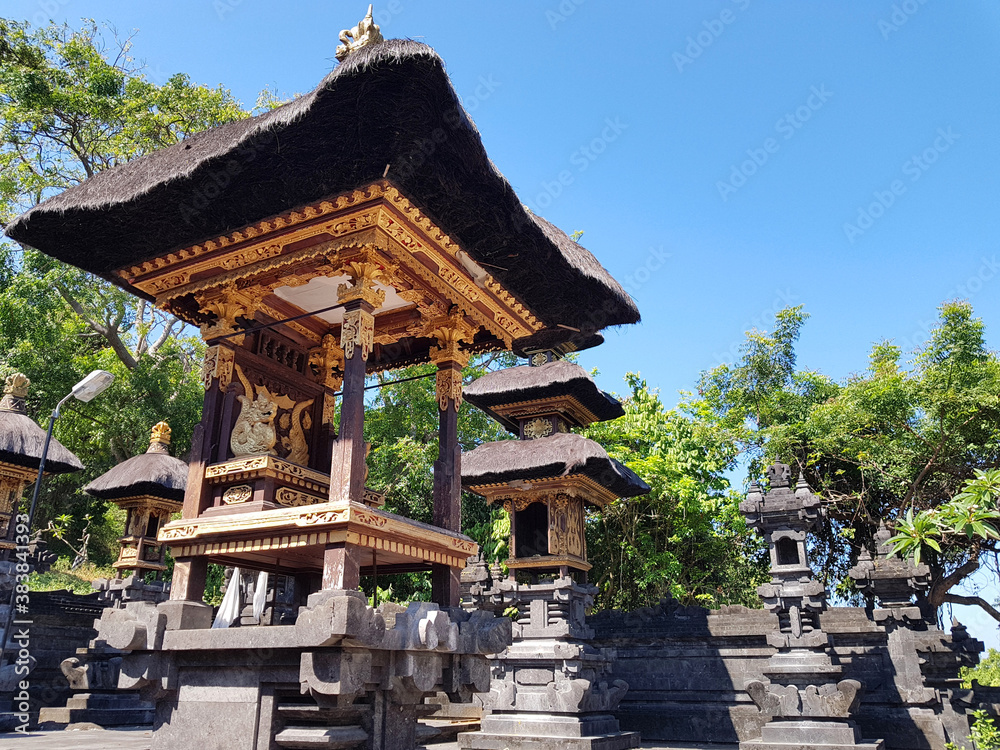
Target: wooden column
(341,566)
(188,581)
(347,465)
(450,359)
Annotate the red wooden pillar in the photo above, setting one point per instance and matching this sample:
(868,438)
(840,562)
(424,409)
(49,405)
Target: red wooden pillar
(445,580)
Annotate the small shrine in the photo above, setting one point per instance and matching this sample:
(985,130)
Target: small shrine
(547,478)
(551,686)
(150,488)
(21,444)
(808,702)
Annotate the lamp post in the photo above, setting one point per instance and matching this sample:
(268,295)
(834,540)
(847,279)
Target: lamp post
(92,385)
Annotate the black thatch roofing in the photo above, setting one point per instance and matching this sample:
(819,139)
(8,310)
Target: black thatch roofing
(153,473)
(390,103)
(22,441)
(526,383)
(558,339)
(549,457)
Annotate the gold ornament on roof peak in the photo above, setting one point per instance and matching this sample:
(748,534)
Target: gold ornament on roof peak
(159,438)
(14,392)
(365,33)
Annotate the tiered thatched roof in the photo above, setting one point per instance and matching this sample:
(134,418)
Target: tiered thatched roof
(21,440)
(548,458)
(155,473)
(557,378)
(388,104)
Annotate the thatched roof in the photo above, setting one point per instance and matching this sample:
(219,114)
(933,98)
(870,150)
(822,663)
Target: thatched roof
(525,383)
(549,457)
(154,473)
(389,103)
(22,441)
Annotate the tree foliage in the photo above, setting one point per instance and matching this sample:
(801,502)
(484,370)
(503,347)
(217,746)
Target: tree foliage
(907,445)
(686,538)
(73,103)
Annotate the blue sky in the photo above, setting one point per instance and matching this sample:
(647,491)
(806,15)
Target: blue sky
(725,158)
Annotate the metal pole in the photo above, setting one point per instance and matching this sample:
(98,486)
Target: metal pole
(31,515)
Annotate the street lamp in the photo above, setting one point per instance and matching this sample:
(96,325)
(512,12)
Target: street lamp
(92,385)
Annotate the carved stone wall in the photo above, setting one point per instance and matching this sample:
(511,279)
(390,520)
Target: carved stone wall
(686,668)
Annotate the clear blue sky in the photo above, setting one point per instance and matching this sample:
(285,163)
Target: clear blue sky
(722,156)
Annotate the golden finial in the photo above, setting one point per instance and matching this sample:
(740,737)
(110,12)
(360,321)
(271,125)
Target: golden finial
(365,33)
(14,392)
(159,438)
(17,385)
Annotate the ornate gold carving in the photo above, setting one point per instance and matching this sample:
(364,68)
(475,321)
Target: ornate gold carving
(218,364)
(328,358)
(236,467)
(565,406)
(538,427)
(16,385)
(573,485)
(322,516)
(539,359)
(241,493)
(226,303)
(254,430)
(128,553)
(448,388)
(369,520)
(160,433)
(365,271)
(177,532)
(507,318)
(365,33)
(295,443)
(293,498)
(358,330)
(566,526)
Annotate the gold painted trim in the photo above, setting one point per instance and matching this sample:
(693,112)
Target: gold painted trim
(252,467)
(574,485)
(559,405)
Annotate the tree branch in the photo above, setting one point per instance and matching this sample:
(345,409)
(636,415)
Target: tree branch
(977,601)
(109,333)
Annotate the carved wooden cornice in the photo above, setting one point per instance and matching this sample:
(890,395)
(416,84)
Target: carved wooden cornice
(332,237)
(539,490)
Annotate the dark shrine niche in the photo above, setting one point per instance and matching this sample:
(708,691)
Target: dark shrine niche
(531,530)
(787,551)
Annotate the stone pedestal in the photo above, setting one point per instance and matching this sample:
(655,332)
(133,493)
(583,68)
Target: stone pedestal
(345,675)
(549,688)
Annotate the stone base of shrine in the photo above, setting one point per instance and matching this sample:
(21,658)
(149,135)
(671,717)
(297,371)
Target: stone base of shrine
(806,734)
(523,731)
(106,709)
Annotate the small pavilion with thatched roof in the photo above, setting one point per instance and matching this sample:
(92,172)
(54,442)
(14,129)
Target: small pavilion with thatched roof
(21,445)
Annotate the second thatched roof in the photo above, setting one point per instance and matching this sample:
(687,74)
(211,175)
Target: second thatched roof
(550,457)
(155,473)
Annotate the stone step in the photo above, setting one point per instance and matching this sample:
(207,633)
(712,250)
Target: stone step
(319,714)
(119,700)
(104,717)
(306,738)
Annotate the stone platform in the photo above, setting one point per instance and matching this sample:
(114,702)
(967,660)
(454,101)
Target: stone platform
(140,739)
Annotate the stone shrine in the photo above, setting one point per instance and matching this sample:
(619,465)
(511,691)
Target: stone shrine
(550,688)
(809,702)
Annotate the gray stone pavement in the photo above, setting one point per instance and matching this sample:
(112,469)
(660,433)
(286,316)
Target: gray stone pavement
(139,739)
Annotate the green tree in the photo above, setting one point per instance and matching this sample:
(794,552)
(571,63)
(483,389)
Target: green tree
(885,444)
(685,538)
(73,103)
